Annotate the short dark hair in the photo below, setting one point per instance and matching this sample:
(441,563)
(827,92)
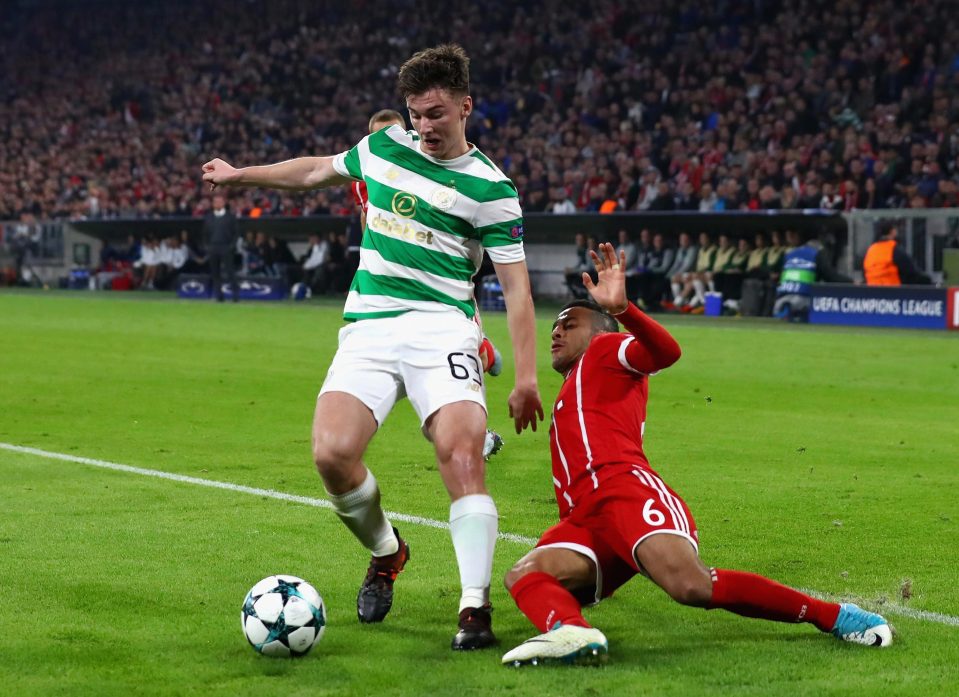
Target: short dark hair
(386,116)
(885,227)
(445,67)
(602,320)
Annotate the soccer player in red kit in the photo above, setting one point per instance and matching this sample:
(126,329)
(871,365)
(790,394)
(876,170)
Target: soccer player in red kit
(617,516)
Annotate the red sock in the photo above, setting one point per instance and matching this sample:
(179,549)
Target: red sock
(545,602)
(750,595)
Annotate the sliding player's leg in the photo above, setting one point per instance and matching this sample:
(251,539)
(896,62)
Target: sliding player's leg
(568,569)
(674,565)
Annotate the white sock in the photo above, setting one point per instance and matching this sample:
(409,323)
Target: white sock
(700,298)
(712,286)
(361,512)
(473,524)
(677,289)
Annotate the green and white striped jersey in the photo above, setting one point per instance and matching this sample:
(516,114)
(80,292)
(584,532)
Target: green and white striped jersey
(427,224)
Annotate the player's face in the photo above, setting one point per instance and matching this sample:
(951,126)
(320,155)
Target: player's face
(440,120)
(572,333)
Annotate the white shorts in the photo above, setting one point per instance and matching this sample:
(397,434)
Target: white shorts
(430,357)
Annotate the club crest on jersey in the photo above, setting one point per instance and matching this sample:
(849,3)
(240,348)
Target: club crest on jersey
(443,198)
(404,204)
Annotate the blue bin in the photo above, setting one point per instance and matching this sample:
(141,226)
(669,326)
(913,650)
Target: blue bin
(714,304)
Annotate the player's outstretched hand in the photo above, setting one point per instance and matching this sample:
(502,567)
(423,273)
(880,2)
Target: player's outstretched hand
(219,173)
(609,291)
(525,406)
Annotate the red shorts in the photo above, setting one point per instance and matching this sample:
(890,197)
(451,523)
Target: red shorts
(609,525)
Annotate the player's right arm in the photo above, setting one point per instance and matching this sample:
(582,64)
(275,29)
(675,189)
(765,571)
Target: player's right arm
(297,174)
(654,348)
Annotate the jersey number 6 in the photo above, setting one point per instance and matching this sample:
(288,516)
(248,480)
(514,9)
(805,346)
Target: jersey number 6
(651,515)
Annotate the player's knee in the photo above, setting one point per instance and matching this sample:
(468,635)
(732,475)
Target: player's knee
(695,592)
(462,459)
(531,563)
(333,452)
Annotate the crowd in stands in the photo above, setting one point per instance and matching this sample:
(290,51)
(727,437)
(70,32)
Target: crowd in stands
(662,277)
(108,110)
(154,263)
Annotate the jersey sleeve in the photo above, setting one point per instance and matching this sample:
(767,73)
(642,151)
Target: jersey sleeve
(350,163)
(609,353)
(499,224)
(648,347)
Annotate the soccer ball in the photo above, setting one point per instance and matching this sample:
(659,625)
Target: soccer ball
(283,616)
(301,291)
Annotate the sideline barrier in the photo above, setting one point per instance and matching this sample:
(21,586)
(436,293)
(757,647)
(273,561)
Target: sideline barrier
(199,286)
(911,307)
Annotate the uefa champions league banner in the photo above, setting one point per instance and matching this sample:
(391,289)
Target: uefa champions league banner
(199,286)
(910,307)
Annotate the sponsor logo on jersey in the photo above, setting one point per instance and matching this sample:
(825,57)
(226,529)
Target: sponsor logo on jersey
(385,225)
(404,204)
(516,232)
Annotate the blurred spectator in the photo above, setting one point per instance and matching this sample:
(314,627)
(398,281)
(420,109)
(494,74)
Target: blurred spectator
(804,265)
(560,202)
(775,255)
(25,244)
(731,105)
(684,261)
(282,260)
(692,283)
(147,265)
(313,264)
(887,264)
(652,280)
(729,279)
(171,258)
(196,260)
(722,262)
(582,263)
(221,233)
(336,267)
(258,255)
(756,261)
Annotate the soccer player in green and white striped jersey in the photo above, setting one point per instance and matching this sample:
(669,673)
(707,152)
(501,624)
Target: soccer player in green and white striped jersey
(436,202)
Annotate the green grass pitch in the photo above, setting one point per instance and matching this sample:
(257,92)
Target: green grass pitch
(824,458)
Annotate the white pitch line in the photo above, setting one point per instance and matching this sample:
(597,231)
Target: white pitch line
(888,608)
(255,491)
(892,609)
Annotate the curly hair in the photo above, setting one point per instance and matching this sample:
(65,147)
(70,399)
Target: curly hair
(445,67)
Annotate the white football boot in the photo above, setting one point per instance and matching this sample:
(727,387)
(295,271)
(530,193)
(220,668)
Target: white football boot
(565,644)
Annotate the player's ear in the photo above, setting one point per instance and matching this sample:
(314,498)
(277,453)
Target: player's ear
(466,108)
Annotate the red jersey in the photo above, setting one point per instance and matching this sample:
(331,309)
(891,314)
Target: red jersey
(360,195)
(600,412)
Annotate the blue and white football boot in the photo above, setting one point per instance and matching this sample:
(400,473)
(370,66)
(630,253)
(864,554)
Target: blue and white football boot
(861,627)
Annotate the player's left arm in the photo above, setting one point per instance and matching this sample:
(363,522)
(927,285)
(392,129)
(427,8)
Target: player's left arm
(499,225)
(654,348)
(524,402)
